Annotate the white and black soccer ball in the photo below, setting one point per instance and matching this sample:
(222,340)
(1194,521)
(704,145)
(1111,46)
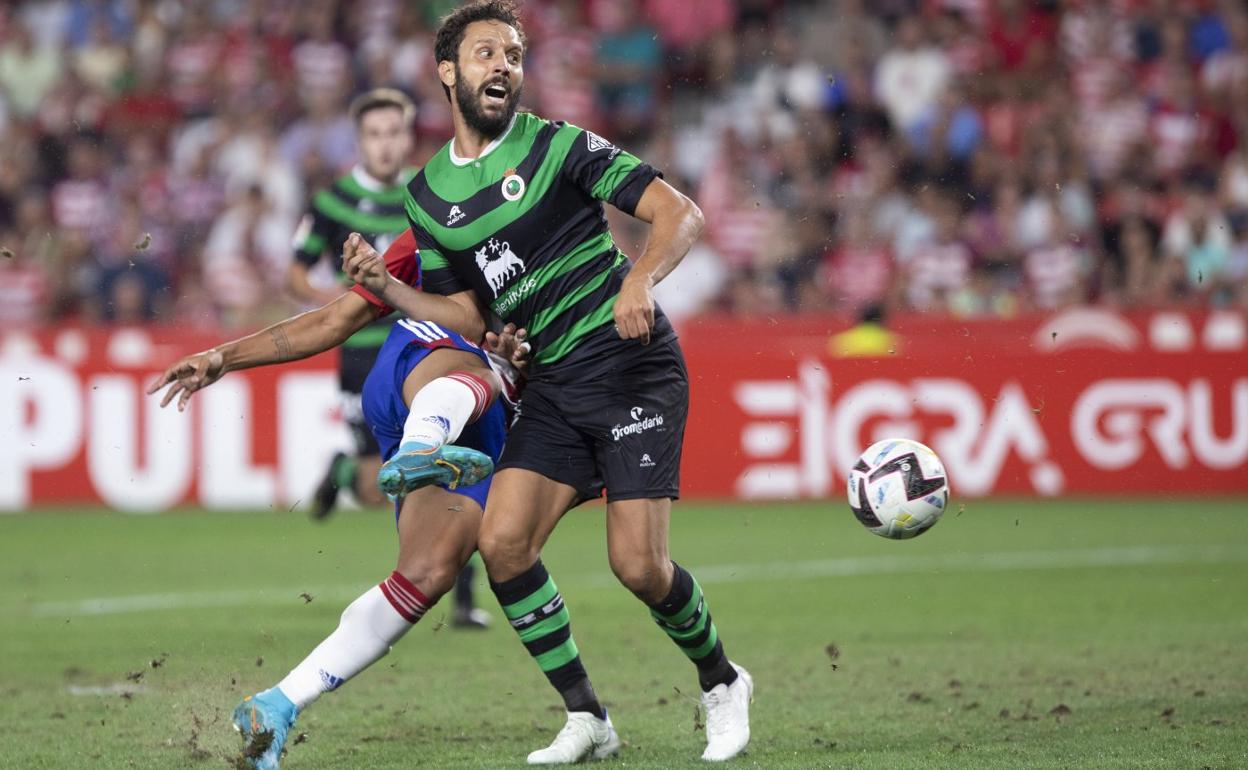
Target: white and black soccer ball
(898,488)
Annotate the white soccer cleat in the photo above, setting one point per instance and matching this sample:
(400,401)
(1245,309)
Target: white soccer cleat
(728,717)
(584,738)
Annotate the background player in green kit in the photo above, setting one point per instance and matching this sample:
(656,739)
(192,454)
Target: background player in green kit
(367,200)
(509,220)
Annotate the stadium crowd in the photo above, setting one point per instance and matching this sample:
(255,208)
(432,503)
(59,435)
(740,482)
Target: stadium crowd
(961,156)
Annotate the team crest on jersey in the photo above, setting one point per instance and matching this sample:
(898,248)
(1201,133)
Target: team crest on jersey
(498,263)
(455,215)
(513,185)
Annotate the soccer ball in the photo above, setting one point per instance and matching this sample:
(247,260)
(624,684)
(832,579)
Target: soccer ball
(898,489)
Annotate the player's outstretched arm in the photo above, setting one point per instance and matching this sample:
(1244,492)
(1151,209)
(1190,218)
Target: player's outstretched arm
(457,312)
(675,224)
(299,337)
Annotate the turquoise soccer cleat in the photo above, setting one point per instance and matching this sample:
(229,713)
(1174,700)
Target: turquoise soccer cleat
(264,720)
(418,465)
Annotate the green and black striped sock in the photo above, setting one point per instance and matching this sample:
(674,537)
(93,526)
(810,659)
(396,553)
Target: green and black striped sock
(535,609)
(684,616)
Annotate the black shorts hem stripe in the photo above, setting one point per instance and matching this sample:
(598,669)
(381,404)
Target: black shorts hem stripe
(644,494)
(582,495)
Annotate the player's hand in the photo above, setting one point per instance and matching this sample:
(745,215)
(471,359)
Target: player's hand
(192,373)
(634,308)
(364,265)
(510,344)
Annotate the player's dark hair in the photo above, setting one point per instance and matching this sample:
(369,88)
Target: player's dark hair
(451,31)
(379,99)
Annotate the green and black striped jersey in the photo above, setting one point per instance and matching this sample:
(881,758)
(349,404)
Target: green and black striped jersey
(523,226)
(355,203)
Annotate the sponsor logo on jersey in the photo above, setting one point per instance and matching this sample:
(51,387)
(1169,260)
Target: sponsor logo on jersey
(596,142)
(455,215)
(646,462)
(513,186)
(366,206)
(514,295)
(640,424)
(498,263)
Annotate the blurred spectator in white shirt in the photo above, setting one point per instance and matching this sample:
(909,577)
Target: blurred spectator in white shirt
(28,72)
(911,75)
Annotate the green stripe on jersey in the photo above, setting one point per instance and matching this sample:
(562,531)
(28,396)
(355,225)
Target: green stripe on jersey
(619,169)
(334,208)
(563,345)
(432,259)
(531,602)
(543,319)
(488,224)
(576,257)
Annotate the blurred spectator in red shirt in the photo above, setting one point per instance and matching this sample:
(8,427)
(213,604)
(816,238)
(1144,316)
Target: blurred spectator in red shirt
(858,270)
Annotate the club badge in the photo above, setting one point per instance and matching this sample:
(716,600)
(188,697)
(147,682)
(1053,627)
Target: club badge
(513,185)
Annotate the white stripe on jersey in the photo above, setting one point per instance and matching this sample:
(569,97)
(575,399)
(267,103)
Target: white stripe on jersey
(425,330)
(433,330)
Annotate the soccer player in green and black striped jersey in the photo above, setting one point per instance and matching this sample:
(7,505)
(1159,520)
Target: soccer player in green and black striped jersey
(509,220)
(367,200)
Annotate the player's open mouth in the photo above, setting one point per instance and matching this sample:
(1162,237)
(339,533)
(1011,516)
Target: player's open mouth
(495,94)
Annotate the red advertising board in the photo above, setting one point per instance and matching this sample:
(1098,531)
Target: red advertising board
(1087,402)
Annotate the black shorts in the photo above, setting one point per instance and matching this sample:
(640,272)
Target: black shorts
(621,429)
(354,364)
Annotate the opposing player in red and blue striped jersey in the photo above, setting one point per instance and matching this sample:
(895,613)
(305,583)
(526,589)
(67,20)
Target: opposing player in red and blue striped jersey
(431,385)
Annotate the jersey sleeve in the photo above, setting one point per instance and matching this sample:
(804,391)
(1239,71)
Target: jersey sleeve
(403,261)
(312,236)
(606,172)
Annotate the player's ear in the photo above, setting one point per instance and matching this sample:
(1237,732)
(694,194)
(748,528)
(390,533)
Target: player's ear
(446,73)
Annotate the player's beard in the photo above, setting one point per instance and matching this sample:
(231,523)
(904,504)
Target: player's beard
(469,101)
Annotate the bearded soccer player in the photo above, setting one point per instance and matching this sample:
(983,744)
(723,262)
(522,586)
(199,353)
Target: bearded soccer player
(367,201)
(509,216)
(429,386)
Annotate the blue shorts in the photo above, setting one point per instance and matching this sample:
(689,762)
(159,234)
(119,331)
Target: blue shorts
(386,411)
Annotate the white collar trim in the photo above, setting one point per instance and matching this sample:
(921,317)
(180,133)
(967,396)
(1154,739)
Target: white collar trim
(368,181)
(458,161)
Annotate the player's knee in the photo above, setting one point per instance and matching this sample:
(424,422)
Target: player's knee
(505,554)
(435,578)
(646,575)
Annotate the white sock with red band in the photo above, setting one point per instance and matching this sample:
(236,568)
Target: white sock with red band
(442,408)
(365,633)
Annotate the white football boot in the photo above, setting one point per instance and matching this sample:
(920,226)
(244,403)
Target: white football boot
(728,717)
(584,738)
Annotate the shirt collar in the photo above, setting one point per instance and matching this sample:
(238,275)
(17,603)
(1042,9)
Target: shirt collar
(458,161)
(368,181)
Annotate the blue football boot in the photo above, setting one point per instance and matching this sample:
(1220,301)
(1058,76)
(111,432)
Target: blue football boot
(418,465)
(264,720)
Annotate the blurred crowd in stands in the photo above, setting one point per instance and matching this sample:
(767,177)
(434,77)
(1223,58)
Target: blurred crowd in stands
(973,157)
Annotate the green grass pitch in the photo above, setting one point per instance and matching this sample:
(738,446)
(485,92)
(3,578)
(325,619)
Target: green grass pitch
(1073,633)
